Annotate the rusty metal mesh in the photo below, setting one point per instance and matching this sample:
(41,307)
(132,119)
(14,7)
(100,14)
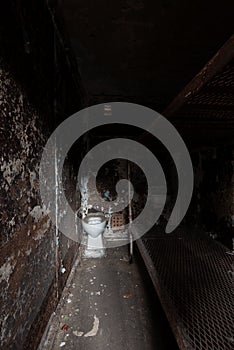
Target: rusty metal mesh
(193,278)
(224,78)
(214,101)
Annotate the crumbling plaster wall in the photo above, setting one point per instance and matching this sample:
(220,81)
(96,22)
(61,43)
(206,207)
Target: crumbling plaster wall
(27,238)
(37,91)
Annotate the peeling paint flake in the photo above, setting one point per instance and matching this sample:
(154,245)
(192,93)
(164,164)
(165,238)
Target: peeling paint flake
(38,213)
(11,169)
(78,334)
(7,269)
(94,330)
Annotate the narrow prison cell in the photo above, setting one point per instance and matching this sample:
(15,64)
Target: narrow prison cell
(81,265)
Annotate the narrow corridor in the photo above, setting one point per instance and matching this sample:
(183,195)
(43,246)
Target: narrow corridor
(109,109)
(109,304)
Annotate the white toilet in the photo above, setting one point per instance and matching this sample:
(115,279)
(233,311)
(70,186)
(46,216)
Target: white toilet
(94,225)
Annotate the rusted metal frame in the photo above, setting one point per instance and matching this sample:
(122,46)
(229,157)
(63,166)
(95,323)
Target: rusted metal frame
(167,306)
(165,298)
(214,66)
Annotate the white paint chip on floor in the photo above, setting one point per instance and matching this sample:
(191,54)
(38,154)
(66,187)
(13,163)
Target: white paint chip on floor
(94,330)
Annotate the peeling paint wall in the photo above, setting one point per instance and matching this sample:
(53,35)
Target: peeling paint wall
(27,244)
(37,91)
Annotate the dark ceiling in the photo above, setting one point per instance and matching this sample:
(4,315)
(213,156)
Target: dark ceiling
(144,51)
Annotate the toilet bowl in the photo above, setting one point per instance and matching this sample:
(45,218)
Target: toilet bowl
(94,225)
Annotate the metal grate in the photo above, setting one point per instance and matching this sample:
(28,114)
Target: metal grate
(213,98)
(211,114)
(224,78)
(193,278)
(214,101)
(117,221)
(209,96)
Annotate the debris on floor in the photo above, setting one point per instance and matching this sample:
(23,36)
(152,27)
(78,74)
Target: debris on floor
(98,318)
(127,295)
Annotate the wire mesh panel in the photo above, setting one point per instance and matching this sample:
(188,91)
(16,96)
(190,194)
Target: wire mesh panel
(214,101)
(193,278)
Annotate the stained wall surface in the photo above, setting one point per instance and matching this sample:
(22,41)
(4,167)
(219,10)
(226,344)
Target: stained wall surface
(37,91)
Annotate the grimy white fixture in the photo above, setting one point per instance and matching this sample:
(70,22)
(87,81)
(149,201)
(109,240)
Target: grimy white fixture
(94,225)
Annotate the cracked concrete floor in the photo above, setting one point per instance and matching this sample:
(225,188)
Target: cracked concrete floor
(110,304)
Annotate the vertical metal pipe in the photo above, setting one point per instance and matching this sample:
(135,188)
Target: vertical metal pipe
(56,164)
(130,215)
(56,223)
(129,195)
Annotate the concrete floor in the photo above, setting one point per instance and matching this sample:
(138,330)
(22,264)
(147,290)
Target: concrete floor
(109,304)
